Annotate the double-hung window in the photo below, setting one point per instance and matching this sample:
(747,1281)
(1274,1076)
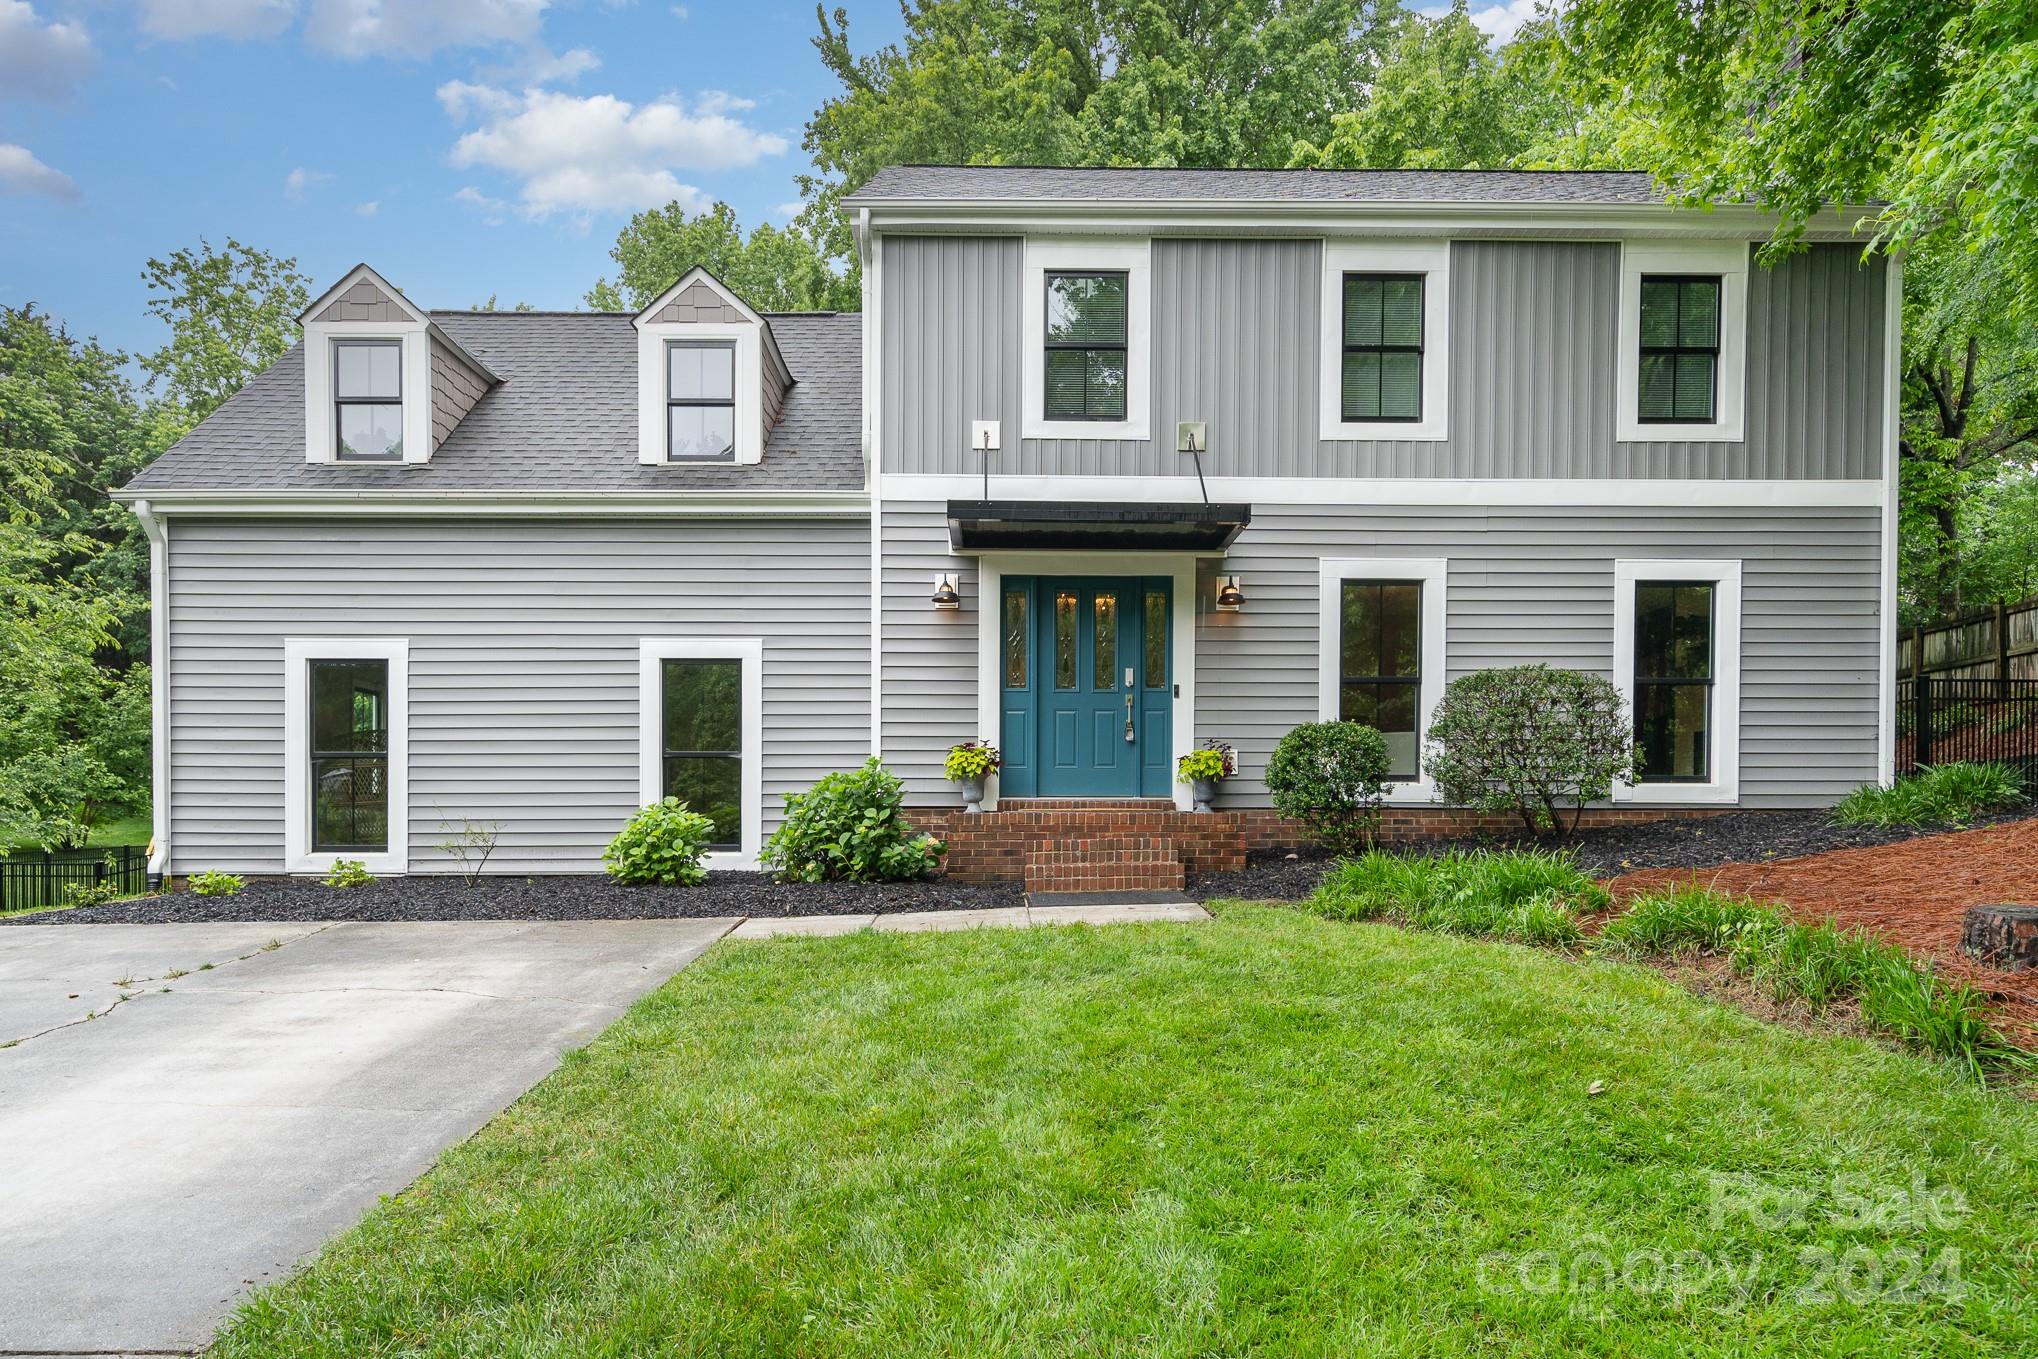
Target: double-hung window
(700,400)
(1678,372)
(1382,351)
(1087,336)
(349,755)
(1380,665)
(1677,662)
(368,400)
(701,747)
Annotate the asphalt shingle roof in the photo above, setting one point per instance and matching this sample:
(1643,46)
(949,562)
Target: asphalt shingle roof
(1024,183)
(564,418)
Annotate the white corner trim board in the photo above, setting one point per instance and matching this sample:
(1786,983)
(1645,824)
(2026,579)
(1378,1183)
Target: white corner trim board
(298,652)
(1433,574)
(1724,755)
(1058,253)
(749,651)
(1431,259)
(157,531)
(1892,386)
(1729,260)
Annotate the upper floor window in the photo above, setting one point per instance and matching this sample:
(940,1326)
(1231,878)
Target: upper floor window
(368,400)
(1382,347)
(700,400)
(1680,348)
(1087,339)
(1086,345)
(1385,313)
(1682,361)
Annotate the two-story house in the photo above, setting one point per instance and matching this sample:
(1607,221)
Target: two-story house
(1112,462)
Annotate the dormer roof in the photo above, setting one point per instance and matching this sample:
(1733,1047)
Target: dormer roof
(364,295)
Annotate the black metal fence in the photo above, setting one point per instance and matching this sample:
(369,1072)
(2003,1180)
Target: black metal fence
(1942,720)
(32,880)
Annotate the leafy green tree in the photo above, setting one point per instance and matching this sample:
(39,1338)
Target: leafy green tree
(772,269)
(231,312)
(1085,82)
(1444,99)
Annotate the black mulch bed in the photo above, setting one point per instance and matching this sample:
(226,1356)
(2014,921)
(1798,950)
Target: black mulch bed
(552,898)
(1705,842)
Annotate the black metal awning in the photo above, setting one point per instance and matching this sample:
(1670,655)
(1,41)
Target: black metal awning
(1092,526)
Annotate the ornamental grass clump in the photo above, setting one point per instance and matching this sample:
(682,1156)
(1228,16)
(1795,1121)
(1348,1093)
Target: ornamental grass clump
(1937,795)
(1527,896)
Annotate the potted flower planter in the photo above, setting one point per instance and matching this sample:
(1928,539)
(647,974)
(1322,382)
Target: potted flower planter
(1203,769)
(1203,792)
(969,767)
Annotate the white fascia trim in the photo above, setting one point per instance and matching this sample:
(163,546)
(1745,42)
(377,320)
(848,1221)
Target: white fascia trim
(993,567)
(652,388)
(1432,259)
(1136,259)
(297,652)
(1617,491)
(495,504)
(1892,386)
(1725,756)
(157,531)
(1728,259)
(1434,575)
(320,441)
(650,709)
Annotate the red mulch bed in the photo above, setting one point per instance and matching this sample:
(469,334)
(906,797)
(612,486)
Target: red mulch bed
(1911,894)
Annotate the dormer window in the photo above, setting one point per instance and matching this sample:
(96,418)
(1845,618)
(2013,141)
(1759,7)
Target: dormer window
(700,402)
(368,400)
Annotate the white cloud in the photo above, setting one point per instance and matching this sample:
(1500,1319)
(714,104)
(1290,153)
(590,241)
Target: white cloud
(680,13)
(460,99)
(603,154)
(41,57)
(300,179)
(492,210)
(21,172)
(542,66)
(367,209)
(1498,22)
(216,18)
(415,28)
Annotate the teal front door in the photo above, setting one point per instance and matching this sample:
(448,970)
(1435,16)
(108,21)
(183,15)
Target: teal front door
(1086,700)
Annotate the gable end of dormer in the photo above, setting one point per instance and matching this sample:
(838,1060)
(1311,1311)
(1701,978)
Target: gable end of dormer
(711,381)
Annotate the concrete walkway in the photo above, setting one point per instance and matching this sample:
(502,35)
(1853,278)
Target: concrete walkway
(245,1092)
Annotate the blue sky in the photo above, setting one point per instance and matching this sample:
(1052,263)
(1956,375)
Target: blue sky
(462,147)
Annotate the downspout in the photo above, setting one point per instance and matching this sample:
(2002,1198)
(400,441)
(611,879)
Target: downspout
(157,531)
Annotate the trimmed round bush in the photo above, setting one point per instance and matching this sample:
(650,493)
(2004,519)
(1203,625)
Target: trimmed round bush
(1530,741)
(848,827)
(662,843)
(1332,777)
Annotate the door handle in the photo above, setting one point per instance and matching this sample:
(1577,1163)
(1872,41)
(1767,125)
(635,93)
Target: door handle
(1128,715)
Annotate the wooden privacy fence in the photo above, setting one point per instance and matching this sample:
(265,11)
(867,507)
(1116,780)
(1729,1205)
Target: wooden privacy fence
(32,880)
(1996,643)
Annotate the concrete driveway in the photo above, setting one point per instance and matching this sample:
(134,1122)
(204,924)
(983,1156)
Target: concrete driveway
(246,1091)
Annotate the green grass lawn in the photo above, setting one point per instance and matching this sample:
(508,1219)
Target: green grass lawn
(1273,1134)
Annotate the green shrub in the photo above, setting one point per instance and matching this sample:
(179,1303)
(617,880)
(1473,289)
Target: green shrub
(1524,895)
(849,827)
(1937,795)
(349,873)
(1530,741)
(662,843)
(91,893)
(1687,916)
(1331,776)
(212,883)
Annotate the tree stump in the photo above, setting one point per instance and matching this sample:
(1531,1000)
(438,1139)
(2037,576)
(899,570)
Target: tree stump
(2003,937)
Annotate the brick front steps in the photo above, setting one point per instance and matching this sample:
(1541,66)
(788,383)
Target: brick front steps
(1140,844)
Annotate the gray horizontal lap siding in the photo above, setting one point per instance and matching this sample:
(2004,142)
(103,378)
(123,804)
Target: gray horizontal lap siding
(523,665)
(1534,331)
(1525,585)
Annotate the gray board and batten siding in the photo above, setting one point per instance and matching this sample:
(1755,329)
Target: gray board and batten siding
(1525,584)
(1533,336)
(524,640)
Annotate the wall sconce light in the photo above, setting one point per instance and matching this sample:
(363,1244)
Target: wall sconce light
(948,591)
(1230,593)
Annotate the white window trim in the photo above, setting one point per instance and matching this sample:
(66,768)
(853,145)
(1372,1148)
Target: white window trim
(320,436)
(298,652)
(1136,259)
(1434,575)
(1728,259)
(654,379)
(1724,757)
(650,735)
(1432,259)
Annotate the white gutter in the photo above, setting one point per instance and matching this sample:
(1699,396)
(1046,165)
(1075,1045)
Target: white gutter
(605,504)
(157,531)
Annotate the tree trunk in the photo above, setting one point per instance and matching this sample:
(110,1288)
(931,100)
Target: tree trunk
(2004,937)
